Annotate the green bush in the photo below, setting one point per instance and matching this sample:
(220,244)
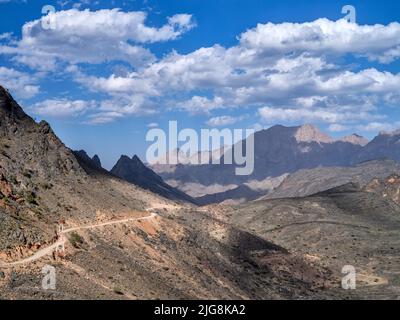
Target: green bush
(31,198)
(6,200)
(13,179)
(76,240)
(27,174)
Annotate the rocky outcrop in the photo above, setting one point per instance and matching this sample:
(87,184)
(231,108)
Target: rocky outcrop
(388,188)
(96,161)
(90,165)
(355,139)
(134,171)
(309,133)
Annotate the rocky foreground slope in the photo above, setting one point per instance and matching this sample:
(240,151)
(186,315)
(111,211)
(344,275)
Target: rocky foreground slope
(180,252)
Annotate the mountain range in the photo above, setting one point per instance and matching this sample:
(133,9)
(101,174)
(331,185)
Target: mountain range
(279,151)
(285,158)
(289,161)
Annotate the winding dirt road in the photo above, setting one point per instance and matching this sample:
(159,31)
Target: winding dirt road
(63,239)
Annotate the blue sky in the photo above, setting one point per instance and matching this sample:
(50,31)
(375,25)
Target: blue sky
(102,76)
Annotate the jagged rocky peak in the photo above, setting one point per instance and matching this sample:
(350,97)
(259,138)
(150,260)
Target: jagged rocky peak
(355,139)
(32,145)
(124,160)
(310,133)
(11,114)
(82,153)
(135,171)
(136,160)
(127,166)
(96,160)
(7,103)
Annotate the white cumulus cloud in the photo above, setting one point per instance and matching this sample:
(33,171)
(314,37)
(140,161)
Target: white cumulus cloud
(22,84)
(322,36)
(61,108)
(92,37)
(223,121)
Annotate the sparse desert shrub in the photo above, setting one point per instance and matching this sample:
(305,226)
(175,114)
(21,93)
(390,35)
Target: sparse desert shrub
(38,212)
(45,186)
(31,198)
(13,179)
(27,174)
(76,240)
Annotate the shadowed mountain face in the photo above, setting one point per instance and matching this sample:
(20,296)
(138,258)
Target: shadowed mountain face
(86,161)
(280,150)
(92,166)
(96,161)
(134,171)
(241,194)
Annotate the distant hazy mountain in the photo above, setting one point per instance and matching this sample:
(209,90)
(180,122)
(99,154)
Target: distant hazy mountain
(279,151)
(385,145)
(134,171)
(355,139)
